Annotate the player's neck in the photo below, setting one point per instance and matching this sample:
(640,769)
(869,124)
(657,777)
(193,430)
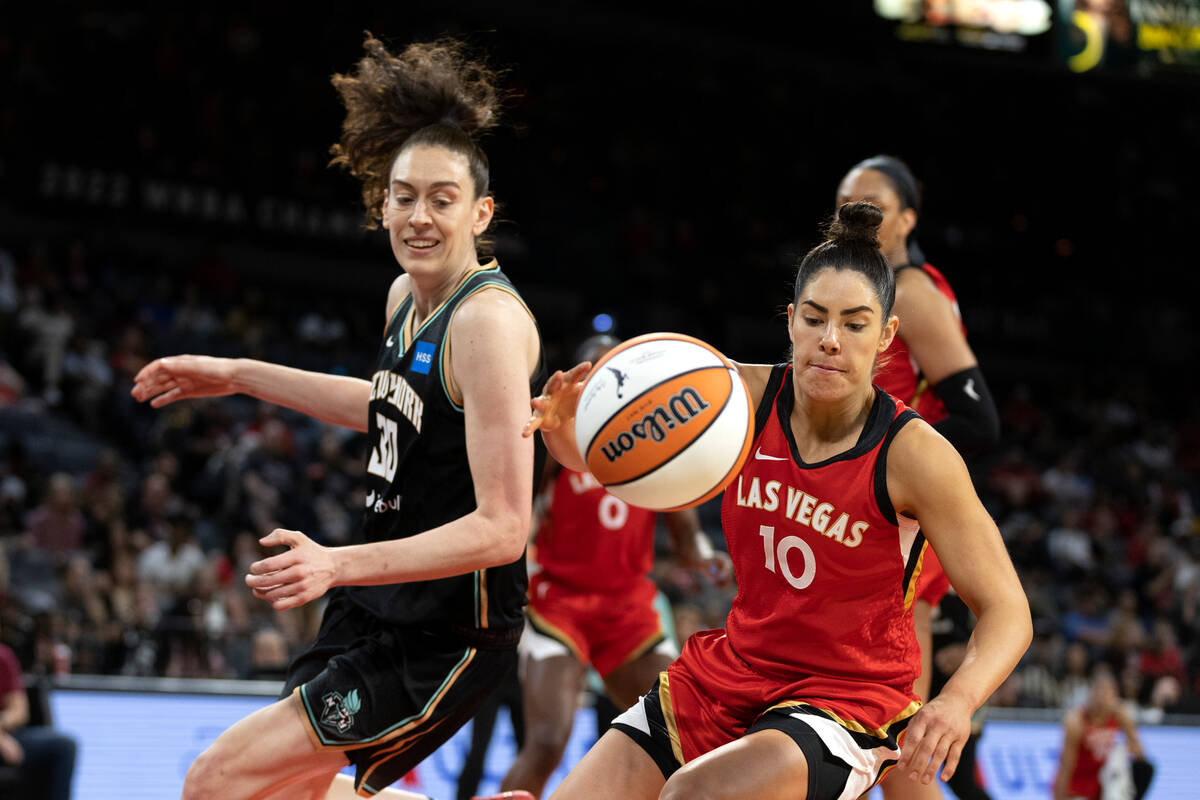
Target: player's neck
(822,429)
(429,292)
(899,258)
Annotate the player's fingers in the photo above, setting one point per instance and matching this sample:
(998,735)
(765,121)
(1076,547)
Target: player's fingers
(552,383)
(532,424)
(937,756)
(149,370)
(912,742)
(279,577)
(274,563)
(578,372)
(166,398)
(275,586)
(952,760)
(282,536)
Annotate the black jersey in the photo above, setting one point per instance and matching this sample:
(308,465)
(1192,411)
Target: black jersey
(418,476)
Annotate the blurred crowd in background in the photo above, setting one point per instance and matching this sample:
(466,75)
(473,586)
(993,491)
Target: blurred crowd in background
(179,203)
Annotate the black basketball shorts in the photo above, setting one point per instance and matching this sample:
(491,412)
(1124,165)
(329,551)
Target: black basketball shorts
(389,696)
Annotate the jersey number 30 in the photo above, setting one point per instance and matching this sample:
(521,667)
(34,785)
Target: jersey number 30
(384,457)
(778,553)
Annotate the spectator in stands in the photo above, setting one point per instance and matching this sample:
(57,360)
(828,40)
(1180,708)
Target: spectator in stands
(44,755)
(57,525)
(170,566)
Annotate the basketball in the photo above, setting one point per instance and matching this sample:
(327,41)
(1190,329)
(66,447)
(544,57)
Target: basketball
(664,421)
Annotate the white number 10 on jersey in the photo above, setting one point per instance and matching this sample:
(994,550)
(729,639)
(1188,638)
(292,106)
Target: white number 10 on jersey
(779,553)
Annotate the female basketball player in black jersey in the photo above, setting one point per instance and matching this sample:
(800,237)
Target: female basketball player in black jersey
(424,615)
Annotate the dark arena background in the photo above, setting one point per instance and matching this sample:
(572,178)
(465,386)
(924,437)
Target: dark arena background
(164,188)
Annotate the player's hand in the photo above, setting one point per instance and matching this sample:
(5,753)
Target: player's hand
(289,580)
(935,734)
(715,566)
(166,380)
(556,404)
(11,752)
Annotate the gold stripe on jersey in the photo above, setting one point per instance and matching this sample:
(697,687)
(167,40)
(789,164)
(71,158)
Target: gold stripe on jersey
(453,393)
(852,725)
(544,627)
(910,591)
(668,711)
(922,387)
(644,646)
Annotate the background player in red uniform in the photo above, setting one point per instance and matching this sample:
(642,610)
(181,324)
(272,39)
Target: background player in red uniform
(931,332)
(1089,736)
(591,602)
(929,364)
(425,617)
(808,691)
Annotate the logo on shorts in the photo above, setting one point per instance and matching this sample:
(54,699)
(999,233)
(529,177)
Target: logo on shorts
(338,713)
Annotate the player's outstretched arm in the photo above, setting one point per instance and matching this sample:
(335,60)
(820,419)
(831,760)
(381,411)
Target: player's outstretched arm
(494,351)
(928,480)
(336,399)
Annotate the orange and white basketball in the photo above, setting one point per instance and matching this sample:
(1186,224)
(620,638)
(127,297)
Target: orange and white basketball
(664,421)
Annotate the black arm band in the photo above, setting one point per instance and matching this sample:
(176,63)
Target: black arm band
(972,423)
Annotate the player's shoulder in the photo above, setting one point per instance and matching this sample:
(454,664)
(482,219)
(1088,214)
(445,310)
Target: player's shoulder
(916,287)
(492,305)
(917,442)
(756,377)
(919,459)
(1073,720)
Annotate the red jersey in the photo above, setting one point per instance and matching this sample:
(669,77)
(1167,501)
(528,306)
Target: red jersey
(900,374)
(825,570)
(1094,746)
(592,540)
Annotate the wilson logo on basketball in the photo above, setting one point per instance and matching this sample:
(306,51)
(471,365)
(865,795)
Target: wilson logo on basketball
(680,409)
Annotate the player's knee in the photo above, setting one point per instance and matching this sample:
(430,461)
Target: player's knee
(545,743)
(688,784)
(203,777)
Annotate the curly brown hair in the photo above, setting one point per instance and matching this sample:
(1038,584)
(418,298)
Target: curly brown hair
(432,94)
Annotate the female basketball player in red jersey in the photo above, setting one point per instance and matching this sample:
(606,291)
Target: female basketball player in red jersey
(930,348)
(929,364)
(426,613)
(591,602)
(807,693)
(1090,733)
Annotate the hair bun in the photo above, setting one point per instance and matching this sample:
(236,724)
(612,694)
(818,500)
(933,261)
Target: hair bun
(856,223)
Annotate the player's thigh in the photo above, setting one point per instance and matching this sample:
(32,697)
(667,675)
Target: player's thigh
(631,680)
(897,786)
(765,765)
(550,694)
(263,750)
(616,768)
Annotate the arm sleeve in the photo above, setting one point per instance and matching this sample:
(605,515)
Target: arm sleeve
(972,423)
